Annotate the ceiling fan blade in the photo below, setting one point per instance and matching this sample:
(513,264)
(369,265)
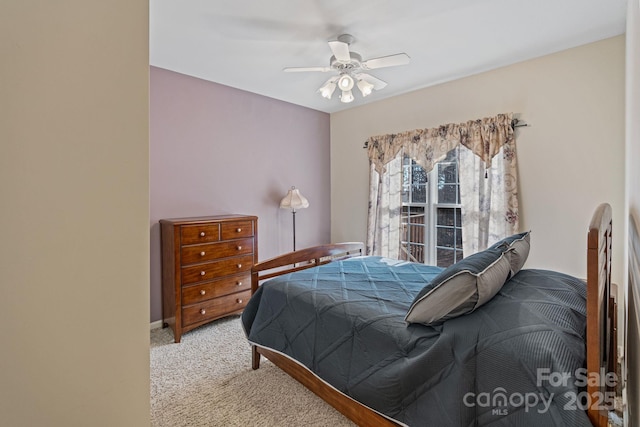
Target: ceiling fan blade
(376,82)
(340,50)
(386,61)
(300,69)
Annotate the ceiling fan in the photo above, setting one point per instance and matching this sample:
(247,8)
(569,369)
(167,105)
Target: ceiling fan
(351,70)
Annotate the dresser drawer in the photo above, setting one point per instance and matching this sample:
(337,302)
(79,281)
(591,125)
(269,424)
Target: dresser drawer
(206,290)
(208,252)
(200,233)
(211,270)
(214,308)
(236,229)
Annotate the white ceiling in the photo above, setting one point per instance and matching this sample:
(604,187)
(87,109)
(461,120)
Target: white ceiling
(246,43)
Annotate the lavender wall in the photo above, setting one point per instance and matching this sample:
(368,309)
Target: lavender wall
(216,150)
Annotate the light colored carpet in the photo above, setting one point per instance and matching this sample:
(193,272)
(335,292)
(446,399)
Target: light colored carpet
(207,380)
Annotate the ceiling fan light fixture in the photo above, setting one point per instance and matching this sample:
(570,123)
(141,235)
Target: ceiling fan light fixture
(365,87)
(347,96)
(349,67)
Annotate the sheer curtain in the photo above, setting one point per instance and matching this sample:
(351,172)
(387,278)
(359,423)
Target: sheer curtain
(385,203)
(488,180)
(488,197)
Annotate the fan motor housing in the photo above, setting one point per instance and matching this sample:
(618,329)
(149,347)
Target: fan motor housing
(353,64)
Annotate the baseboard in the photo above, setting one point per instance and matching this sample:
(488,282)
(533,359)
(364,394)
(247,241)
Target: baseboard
(157,324)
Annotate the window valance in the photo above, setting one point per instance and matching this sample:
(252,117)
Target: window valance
(484,137)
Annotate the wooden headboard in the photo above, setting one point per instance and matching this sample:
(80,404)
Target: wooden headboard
(601,314)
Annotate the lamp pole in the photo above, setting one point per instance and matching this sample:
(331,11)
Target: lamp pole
(293,211)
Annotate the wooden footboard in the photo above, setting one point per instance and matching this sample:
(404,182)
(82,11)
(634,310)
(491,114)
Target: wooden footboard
(601,316)
(301,260)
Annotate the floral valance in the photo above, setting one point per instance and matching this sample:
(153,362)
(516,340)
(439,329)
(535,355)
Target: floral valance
(484,137)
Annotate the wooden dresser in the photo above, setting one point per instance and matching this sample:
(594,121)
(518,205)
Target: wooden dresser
(206,268)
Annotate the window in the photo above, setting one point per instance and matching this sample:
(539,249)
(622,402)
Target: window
(431,216)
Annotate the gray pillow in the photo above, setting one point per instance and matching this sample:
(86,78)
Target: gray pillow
(518,246)
(461,288)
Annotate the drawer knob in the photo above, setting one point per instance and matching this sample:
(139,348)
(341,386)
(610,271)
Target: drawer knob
(238,229)
(202,273)
(202,234)
(203,311)
(239,265)
(239,301)
(202,292)
(239,283)
(202,253)
(239,247)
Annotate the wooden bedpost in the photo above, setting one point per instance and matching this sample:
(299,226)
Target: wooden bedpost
(255,357)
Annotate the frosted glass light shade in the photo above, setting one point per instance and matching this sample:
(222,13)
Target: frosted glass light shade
(294,200)
(347,96)
(365,87)
(345,82)
(327,90)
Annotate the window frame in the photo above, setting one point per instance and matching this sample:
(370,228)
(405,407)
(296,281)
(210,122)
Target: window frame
(430,208)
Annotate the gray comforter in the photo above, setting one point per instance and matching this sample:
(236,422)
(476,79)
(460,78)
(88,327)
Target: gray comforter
(515,361)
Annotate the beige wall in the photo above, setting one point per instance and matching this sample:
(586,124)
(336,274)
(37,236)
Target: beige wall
(74,258)
(570,159)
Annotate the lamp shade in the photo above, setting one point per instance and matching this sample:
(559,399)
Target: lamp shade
(365,87)
(294,200)
(345,82)
(347,96)
(327,90)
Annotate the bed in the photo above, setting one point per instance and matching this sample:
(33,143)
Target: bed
(378,340)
